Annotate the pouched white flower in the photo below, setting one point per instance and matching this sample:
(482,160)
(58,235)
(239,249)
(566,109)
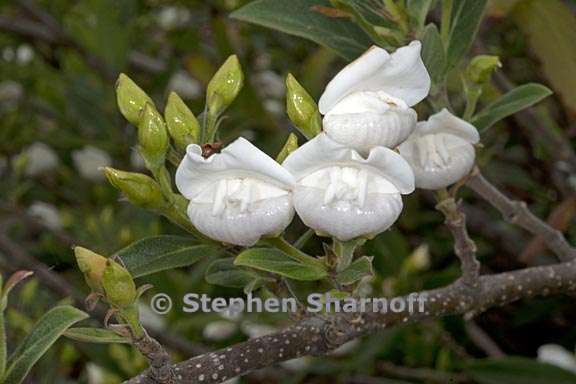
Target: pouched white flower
(368,103)
(238,195)
(441,150)
(89,160)
(40,159)
(557,355)
(340,193)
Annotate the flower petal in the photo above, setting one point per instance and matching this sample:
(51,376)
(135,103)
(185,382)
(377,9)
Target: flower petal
(235,226)
(401,74)
(446,122)
(436,168)
(239,159)
(322,152)
(344,220)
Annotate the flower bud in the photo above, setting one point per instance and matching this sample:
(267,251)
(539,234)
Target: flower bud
(181,122)
(130,98)
(152,137)
(290,146)
(302,109)
(482,67)
(119,287)
(224,86)
(141,190)
(92,266)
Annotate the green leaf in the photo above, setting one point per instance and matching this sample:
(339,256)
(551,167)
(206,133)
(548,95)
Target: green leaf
(94,335)
(516,100)
(45,333)
(223,272)
(298,17)
(418,10)
(517,370)
(464,22)
(356,271)
(433,53)
(550,27)
(158,253)
(275,261)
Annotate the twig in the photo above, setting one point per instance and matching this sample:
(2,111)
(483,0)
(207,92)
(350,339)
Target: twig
(158,359)
(464,247)
(517,212)
(318,335)
(482,340)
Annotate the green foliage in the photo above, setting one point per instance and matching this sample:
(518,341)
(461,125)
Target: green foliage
(464,23)
(94,335)
(159,253)
(44,334)
(223,272)
(517,370)
(275,261)
(514,101)
(433,54)
(359,269)
(299,17)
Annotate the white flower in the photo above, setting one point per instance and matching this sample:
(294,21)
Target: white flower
(184,85)
(340,193)
(47,214)
(150,319)
(558,356)
(40,158)
(219,330)
(238,195)
(172,17)
(441,150)
(368,103)
(24,54)
(255,330)
(89,160)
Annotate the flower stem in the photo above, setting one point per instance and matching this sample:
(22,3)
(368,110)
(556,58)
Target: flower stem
(294,253)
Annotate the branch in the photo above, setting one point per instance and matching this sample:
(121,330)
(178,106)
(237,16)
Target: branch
(464,247)
(482,340)
(517,212)
(320,334)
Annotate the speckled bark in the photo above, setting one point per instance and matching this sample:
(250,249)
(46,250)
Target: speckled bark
(318,335)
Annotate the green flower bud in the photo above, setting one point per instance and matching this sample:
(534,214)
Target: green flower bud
(119,287)
(92,266)
(302,109)
(290,146)
(141,190)
(482,67)
(152,137)
(224,86)
(131,99)
(182,125)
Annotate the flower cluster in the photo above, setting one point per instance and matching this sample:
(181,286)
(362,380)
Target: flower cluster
(347,181)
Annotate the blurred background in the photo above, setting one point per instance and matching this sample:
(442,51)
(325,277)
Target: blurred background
(59,60)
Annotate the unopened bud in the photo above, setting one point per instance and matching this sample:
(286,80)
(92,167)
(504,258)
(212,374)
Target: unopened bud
(119,287)
(290,146)
(141,190)
(224,86)
(131,99)
(152,137)
(482,67)
(302,109)
(419,260)
(92,266)
(182,124)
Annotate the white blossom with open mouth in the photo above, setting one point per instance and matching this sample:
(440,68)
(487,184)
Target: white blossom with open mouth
(342,194)
(238,195)
(368,103)
(441,150)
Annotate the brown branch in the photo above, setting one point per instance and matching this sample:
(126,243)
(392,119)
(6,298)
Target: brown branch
(320,334)
(517,212)
(464,247)
(161,371)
